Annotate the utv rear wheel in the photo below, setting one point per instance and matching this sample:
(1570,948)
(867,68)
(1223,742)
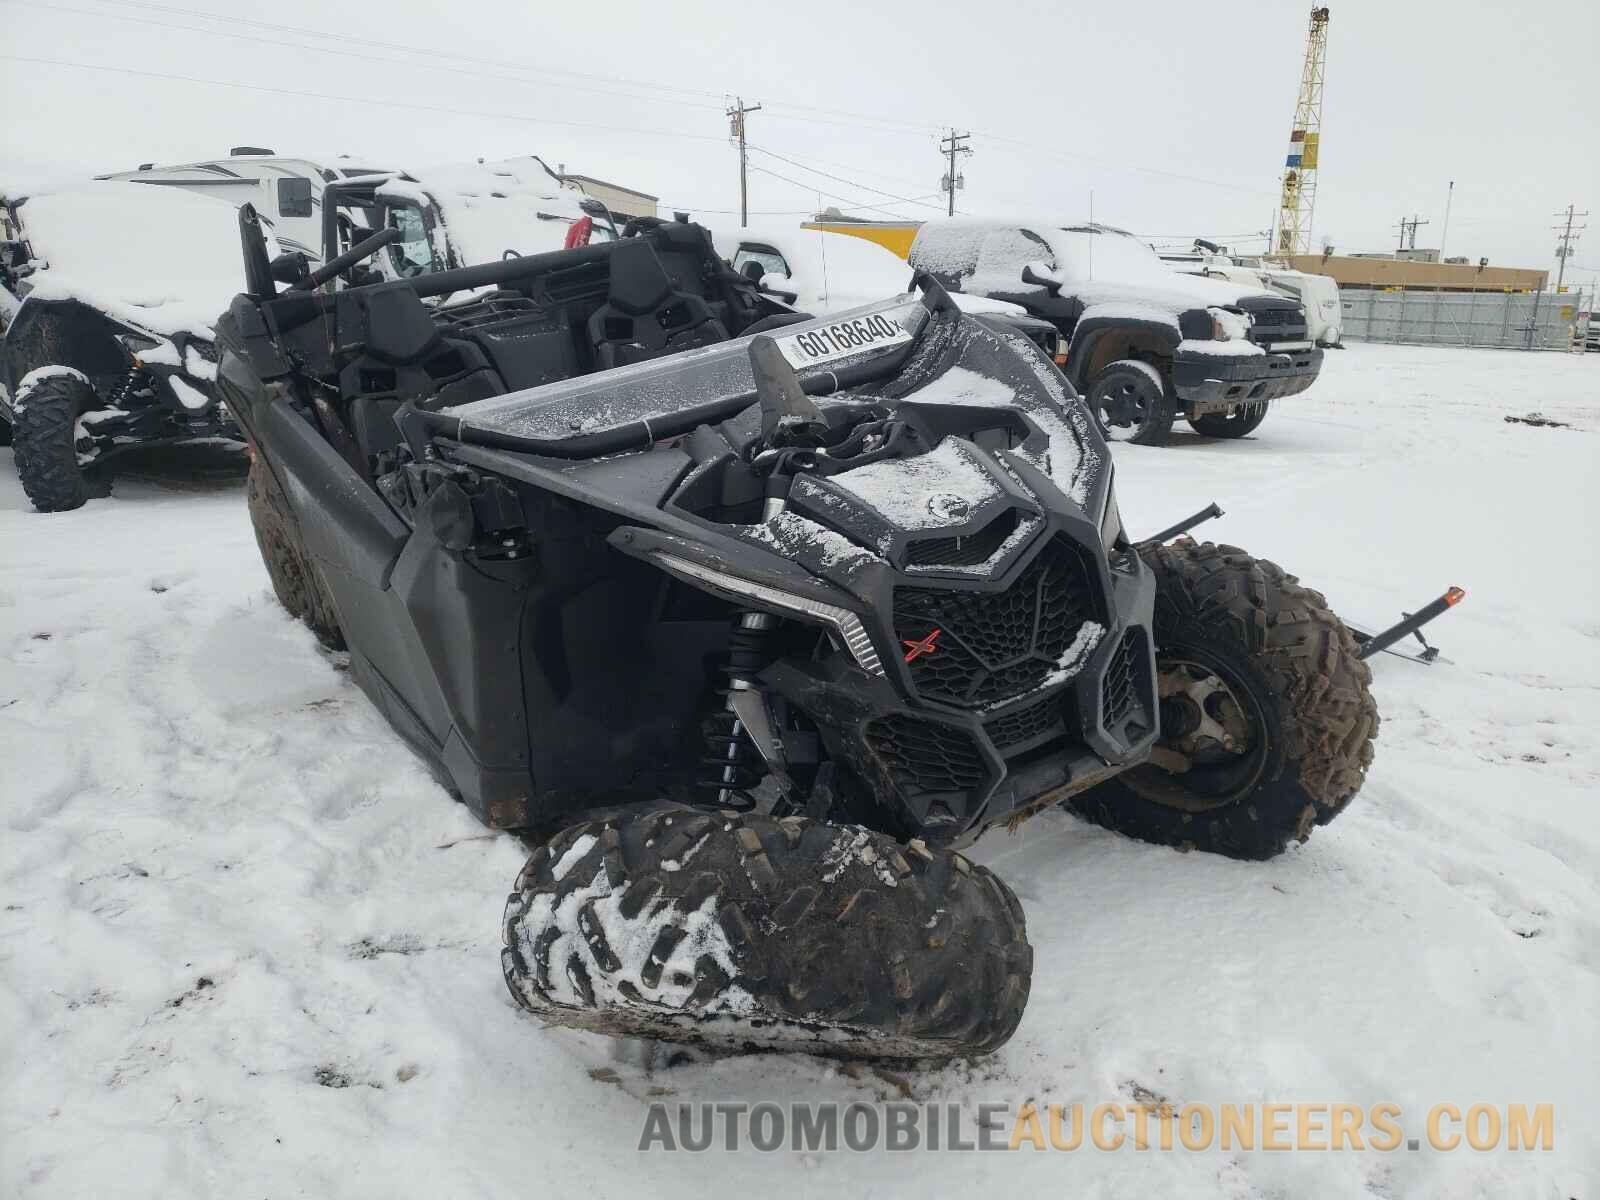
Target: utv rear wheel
(1267,720)
(1130,400)
(1244,420)
(46,441)
(745,931)
(294,576)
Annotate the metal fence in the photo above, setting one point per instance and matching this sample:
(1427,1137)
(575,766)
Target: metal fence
(1515,320)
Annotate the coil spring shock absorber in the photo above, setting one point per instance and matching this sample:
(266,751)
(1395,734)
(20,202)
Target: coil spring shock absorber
(733,765)
(135,380)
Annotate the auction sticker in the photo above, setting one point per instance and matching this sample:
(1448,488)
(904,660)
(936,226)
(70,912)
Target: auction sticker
(841,339)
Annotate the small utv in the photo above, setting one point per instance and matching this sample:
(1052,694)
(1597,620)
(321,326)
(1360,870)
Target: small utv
(107,342)
(748,621)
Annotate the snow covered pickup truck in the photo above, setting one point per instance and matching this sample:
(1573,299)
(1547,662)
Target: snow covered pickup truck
(1143,343)
(107,297)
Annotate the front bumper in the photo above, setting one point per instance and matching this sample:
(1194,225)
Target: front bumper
(953,769)
(1214,383)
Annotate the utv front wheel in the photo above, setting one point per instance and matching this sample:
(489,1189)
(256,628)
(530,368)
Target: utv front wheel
(1243,420)
(46,440)
(294,576)
(745,931)
(1267,720)
(1131,401)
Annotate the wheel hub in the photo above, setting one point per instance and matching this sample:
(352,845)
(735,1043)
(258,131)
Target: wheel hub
(1200,715)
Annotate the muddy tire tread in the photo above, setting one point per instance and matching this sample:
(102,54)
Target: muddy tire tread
(1308,657)
(936,966)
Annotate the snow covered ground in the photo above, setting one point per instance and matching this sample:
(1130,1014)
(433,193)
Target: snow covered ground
(248,948)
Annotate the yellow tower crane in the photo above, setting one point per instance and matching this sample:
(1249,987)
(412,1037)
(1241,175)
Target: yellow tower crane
(1299,194)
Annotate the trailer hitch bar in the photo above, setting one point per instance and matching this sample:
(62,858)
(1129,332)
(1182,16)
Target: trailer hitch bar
(1411,623)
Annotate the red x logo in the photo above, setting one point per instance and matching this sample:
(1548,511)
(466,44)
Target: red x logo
(916,649)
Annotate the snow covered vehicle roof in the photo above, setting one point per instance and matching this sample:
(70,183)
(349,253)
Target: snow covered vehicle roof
(1099,264)
(489,208)
(829,272)
(162,258)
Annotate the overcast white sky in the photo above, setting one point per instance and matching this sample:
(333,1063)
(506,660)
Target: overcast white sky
(1175,115)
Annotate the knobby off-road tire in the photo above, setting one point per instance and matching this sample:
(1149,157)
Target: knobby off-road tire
(46,438)
(1278,648)
(1237,424)
(1135,392)
(743,931)
(294,576)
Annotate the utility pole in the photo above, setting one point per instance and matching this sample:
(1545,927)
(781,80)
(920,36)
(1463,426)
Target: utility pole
(736,130)
(1410,226)
(1568,240)
(1448,196)
(950,147)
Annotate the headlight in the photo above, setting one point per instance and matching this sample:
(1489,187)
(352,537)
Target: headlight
(1229,326)
(844,622)
(133,343)
(1111,525)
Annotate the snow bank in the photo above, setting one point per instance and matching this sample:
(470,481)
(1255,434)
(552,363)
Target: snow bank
(166,259)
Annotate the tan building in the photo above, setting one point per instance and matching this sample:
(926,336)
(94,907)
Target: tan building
(1352,271)
(623,202)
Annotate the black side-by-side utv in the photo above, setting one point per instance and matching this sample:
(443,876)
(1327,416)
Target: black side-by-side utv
(748,621)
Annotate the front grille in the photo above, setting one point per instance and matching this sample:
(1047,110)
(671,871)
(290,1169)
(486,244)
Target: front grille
(1120,690)
(924,758)
(994,647)
(1026,724)
(1269,325)
(963,551)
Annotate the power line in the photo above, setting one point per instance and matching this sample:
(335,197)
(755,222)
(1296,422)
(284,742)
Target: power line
(1033,150)
(429,52)
(851,200)
(839,178)
(474,72)
(434,53)
(383,103)
(1568,239)
(736,116)
(951,146)
(1412,226)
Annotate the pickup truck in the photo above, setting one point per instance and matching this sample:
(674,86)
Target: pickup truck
(1143,343)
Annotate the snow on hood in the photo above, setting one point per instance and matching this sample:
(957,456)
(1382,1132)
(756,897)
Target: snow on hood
(492,207)
(829,272)
(163,258)
(900,489)
(1096,263)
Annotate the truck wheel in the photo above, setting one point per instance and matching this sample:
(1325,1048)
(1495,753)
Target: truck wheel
(1129,399)
(746,931)
(294,576)
(1267,720)
(46,413)
(1236,424)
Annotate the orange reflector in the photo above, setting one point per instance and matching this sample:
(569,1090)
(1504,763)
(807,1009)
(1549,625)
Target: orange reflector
(1061,359)
(1455,596)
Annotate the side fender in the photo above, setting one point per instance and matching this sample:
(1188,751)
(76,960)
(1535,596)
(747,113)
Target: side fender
(1094,328)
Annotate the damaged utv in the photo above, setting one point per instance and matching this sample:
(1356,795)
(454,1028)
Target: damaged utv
(110,293)
(747,621)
